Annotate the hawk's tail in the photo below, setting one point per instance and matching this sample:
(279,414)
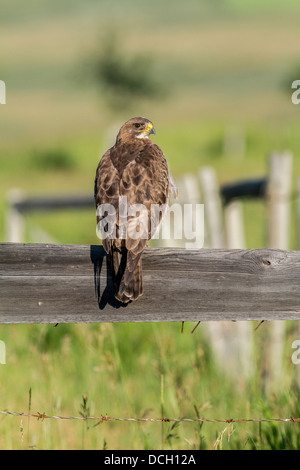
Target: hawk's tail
(127,275)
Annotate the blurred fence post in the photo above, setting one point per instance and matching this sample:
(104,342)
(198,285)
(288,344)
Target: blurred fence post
(193,197)
(279,195)
(234,225)
(232,343)
(214,238)
(212,207)
(167,224)
(241,333)
(14,220)
(191,189)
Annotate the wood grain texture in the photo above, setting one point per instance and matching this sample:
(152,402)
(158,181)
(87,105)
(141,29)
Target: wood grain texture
(70,284)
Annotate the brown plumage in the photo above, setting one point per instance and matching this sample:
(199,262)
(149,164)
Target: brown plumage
(134,167)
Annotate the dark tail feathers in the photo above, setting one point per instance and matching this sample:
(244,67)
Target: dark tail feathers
(127,275)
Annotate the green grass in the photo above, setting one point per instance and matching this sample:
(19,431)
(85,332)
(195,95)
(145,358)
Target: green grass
(120,369)
(227,71)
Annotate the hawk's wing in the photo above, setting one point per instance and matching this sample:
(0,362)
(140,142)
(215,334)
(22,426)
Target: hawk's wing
(106,192)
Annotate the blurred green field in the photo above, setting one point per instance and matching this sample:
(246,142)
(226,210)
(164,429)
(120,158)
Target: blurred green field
(227,68)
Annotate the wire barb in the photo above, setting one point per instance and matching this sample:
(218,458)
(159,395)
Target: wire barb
(256,328)
(195,327)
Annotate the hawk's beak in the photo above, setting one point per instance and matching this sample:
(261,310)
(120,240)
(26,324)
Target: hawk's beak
(150,129)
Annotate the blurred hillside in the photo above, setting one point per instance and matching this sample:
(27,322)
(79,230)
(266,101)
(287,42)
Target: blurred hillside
(219,60)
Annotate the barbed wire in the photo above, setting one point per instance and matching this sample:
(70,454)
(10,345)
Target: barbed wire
(103,418)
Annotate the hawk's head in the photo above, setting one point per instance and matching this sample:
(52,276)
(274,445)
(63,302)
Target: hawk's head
(138,127)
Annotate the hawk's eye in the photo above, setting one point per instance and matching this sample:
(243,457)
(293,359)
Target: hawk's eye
(137,125)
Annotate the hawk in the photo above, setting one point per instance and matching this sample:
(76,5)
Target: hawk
(132,177)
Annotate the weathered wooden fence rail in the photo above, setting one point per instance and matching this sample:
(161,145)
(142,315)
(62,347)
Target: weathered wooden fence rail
(70,284)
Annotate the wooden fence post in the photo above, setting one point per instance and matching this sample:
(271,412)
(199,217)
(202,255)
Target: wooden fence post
(167,225)
(14,220)
(278,194)
(212,207)
(234,225)
(232,343)
(192,195)
(241,333)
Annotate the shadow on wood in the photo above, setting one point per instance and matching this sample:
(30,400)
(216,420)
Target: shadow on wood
(98,255)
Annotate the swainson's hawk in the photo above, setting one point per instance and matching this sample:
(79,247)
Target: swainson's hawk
(132,177)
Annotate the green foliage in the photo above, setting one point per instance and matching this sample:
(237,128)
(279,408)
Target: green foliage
(52,159)
(172,433)
(200,439)
(124,79)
